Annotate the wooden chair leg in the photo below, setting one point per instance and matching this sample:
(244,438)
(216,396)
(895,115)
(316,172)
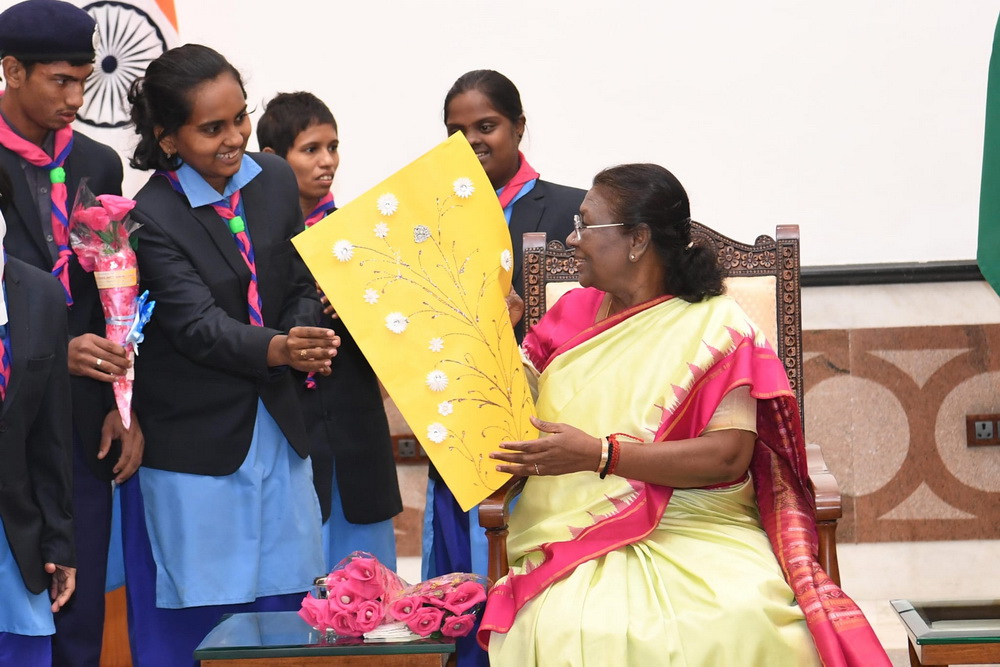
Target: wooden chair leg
(828,549)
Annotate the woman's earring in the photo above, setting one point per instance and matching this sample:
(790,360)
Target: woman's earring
(632,257)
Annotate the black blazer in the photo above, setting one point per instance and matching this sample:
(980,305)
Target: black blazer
(202,366)
(347,424)
(35,427)
(546,208)
(92,400)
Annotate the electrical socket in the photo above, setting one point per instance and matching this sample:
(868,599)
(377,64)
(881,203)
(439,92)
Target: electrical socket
(407,449)
(982,430)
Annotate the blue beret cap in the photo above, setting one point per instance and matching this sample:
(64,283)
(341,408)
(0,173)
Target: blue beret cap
(47,30)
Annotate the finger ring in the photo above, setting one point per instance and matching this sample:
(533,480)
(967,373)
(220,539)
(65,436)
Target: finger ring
(302,353)
(536,470)
(98,363)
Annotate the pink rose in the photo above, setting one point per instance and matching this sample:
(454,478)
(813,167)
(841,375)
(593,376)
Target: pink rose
(426,621)
(117,207)
(467,595)
(343,597)
(364,590)
(344,624)
(95,217)
(369,615)
(458,626)
(335,577)
(366,571)
(315,612)
(403,609)
(436,599)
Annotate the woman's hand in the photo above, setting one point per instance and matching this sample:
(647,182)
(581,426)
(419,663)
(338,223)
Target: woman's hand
(515,307)
(307,349)
(565,450)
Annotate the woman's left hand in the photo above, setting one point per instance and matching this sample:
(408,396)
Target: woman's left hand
(567,449)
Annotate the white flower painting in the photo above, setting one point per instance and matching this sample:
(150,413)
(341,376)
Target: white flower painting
(381,230)
(506,260)
(445,408)
(396,322)
(436,344)
(371,296)
(437,432)
(463,188)
(437,380)
(343,250)
(387,204)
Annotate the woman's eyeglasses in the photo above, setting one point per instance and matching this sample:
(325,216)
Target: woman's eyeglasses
(579,226)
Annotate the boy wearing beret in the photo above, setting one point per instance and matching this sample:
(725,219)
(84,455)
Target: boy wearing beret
(47,50)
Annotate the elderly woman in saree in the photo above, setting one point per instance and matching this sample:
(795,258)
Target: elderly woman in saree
(667,517)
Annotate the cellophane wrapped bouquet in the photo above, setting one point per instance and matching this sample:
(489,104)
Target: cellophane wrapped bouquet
(99,229)
(363,598)
(447,605)
(357,593)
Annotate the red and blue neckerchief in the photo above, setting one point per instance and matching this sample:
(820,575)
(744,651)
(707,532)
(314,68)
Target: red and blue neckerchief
(231,211)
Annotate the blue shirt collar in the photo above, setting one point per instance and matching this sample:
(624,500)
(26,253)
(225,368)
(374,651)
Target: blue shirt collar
(200,193)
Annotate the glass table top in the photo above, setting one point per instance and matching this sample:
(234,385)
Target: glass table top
(284,634)
(950,621)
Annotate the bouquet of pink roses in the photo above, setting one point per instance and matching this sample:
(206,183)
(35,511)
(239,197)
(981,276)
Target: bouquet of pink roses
(353,598)
(99,229)
(447,604)
(362,597)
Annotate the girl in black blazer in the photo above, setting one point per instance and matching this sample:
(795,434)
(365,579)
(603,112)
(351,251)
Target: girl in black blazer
(485,106)
(225,517)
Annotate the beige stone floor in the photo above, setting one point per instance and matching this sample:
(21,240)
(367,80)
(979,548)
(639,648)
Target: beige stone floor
(873,574)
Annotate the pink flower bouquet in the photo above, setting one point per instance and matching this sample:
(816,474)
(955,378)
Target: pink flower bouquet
(361,597)
(99,229)
(447,604)
(352,599)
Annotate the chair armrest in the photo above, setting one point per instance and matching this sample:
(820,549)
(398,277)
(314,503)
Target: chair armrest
(829,509)
(494,515)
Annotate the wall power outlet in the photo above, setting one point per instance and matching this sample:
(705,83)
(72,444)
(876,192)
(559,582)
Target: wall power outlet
(982,430)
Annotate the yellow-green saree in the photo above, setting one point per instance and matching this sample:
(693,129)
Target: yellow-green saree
(620,572)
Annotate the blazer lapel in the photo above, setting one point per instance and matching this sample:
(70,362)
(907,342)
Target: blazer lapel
(19,330)
(258,222)
(216,228)
(24,200)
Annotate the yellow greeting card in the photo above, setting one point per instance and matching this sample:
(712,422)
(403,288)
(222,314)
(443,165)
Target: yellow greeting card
(418,269)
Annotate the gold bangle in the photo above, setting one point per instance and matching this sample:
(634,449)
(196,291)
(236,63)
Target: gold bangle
(604,455)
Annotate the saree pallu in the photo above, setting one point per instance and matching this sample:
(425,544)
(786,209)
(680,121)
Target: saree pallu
(617,571)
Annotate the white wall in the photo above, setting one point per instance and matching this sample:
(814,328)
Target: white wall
(859,120)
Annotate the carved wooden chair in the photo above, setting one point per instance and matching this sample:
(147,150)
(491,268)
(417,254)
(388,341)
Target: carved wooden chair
(764,280)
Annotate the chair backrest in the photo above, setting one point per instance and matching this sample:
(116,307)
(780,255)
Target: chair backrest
(763,278)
